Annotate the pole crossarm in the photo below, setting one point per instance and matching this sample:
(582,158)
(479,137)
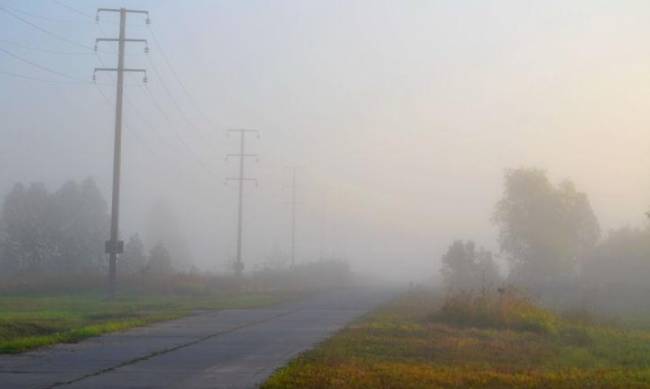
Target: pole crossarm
(134,40)
(124,70)
(241,179)
(244,131)
(130,70)
(241,155)
(119,10)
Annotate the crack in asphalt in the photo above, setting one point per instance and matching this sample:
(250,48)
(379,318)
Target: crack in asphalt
(170,349)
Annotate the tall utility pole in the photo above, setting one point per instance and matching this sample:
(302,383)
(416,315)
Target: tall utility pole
(239,264)
(114,246)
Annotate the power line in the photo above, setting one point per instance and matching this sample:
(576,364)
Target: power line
(79,12)
(139,137)
(164,113)
(189,150)
(36,65)
(129,129)
(26,47)
(59,82)
(43,30)
(72,9)
(35,16)
(101,92)
(157,105)
(178,79)
(26,77)
(174,100)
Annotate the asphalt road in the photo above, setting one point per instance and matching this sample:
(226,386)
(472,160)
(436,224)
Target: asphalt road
(236,348)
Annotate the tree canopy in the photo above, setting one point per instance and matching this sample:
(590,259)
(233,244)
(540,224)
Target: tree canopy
(465,267)
(543,229)
(55,232)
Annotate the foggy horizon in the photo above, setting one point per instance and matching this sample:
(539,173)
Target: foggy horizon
(401,118)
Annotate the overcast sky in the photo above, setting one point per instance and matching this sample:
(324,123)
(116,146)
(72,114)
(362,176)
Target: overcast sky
(401,116)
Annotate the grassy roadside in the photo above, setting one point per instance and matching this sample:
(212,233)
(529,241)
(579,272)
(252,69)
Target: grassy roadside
(421,341)
(35,317)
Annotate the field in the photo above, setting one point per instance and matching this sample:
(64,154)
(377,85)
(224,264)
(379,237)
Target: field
(43,312)
(498,340)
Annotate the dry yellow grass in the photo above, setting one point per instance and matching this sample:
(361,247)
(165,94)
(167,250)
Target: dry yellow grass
(405,345)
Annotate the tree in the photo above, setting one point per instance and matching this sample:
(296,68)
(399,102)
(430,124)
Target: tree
(7,265)
(80,214)
(29,241)
(544,230)
(133,259)
(464,267)
(622,259)
(162,225)
(160,261)
(59,232)
(614,276)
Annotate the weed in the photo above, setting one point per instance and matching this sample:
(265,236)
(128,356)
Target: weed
(503,308)
(474,341)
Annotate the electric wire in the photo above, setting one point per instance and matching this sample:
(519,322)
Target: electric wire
(48,51)
(36,65)
(129,129)
(27,77)
(72,9)
(87,15)
(173,99)
(193,101)
(158,107)
(133,107)
(44,30)
(191,152)
(36,16)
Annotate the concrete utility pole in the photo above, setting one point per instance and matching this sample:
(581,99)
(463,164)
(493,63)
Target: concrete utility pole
(114,246)
(239,264)
(293,217)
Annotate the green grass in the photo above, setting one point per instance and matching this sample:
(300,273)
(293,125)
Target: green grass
(422,340)
(32,317)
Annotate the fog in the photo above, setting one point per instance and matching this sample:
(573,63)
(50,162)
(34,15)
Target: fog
(400,117)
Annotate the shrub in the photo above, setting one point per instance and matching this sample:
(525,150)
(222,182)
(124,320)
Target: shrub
(503,308)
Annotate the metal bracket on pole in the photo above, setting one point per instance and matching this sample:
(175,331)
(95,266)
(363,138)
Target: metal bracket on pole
(114,247)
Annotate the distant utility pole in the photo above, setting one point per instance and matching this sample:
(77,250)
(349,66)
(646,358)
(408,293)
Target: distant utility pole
(293,204)
(239,264)
(114,246)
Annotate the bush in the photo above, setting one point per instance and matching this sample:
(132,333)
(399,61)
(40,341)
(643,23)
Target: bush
(503,309)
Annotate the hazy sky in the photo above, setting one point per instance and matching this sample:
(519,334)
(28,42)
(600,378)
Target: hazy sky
(401,116)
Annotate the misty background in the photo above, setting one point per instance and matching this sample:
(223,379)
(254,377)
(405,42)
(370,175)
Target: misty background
(401,118)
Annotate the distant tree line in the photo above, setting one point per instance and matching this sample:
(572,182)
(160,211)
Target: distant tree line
(550,239)
(64,232)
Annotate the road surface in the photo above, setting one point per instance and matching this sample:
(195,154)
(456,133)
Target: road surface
(237,348)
